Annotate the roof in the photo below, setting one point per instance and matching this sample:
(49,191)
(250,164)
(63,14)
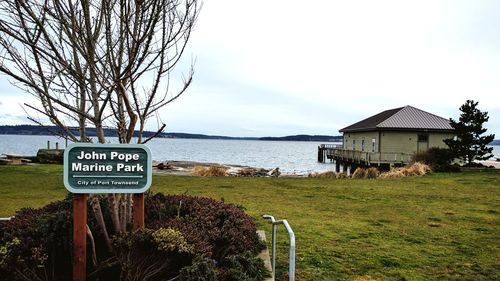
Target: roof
(406,118)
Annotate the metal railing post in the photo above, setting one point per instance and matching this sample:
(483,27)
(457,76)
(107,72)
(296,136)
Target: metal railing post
(273,243)
(291,235)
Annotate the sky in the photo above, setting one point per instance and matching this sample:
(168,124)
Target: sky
(286,67)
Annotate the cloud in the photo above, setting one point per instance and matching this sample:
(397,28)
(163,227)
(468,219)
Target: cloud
(288,67)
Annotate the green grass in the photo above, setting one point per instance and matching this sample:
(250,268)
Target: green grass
(437,227)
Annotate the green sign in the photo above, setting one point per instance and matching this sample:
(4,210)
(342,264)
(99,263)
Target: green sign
(107,168)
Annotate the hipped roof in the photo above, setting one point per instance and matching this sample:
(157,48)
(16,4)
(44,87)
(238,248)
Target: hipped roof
(406,118)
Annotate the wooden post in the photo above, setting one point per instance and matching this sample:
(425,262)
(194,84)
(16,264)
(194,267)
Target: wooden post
(79,237)
(138,199)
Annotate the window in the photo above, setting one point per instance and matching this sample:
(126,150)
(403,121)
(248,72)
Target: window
(363,144)
(353,144)
(423,138)
(373,145)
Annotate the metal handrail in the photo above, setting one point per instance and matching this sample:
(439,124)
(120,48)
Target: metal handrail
(273,242)
(291,235)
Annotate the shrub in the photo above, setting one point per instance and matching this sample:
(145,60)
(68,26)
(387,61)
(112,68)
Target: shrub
(183,233)
(439,159)
(372,173)
(204,270)
(393,173)
(36,243)
(244,267)
(359,173)
(152,254)
(341,175)
(226,229)
(415,169)
(212,171)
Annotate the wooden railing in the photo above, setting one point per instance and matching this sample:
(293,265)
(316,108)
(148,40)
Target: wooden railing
(338,153)
(331,146)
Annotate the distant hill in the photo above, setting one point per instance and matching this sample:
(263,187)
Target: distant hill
(201,136)
(319,138)
(53,130)
(50,130)
(495,142)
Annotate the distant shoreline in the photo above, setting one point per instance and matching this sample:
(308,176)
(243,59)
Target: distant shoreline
(46,131)
(33,130)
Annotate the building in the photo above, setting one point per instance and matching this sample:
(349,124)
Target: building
(389,138)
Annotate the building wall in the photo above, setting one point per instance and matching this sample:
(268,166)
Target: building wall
(393,141)
(368,137)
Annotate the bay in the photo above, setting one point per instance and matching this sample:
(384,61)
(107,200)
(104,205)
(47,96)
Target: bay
(289,156)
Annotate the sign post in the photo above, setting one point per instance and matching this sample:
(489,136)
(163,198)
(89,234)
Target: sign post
(138,199)
(103,168)
(79,237)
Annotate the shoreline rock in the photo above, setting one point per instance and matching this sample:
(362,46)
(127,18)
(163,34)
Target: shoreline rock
(185,168)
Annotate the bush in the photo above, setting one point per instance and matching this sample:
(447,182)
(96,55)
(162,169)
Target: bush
(35,244)
(152,254)
(439,159)
(341,175)
(372,173)
(204,270)
(244,267)
(415,169)
(392,174)
(225,229)
(212,171)
(359,173)
(184,235)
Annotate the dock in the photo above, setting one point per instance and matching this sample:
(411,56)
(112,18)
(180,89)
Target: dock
(346,159)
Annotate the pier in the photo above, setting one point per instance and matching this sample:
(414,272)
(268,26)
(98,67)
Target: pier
(347,159)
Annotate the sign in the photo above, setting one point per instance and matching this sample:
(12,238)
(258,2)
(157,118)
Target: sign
(107,168)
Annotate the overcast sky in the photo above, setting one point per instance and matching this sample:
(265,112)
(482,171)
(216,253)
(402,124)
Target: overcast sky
(282,67)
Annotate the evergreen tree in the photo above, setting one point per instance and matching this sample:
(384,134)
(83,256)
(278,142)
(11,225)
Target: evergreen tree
(469,144)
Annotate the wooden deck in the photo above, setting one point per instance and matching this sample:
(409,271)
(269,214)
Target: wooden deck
(338,153)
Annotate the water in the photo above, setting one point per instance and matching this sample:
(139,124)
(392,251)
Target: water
(291,157)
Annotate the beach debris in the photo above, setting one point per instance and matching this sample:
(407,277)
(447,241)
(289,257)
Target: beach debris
(275,172)
(163,166)
(4,160)
(251,172)
(50,156)
(10,159)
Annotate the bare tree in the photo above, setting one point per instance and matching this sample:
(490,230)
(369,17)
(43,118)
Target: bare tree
(97,63)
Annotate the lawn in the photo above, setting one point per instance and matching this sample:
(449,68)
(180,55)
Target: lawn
(436,227)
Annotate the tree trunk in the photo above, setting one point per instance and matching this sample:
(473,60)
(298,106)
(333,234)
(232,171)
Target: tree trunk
(114,209)
(96,208)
